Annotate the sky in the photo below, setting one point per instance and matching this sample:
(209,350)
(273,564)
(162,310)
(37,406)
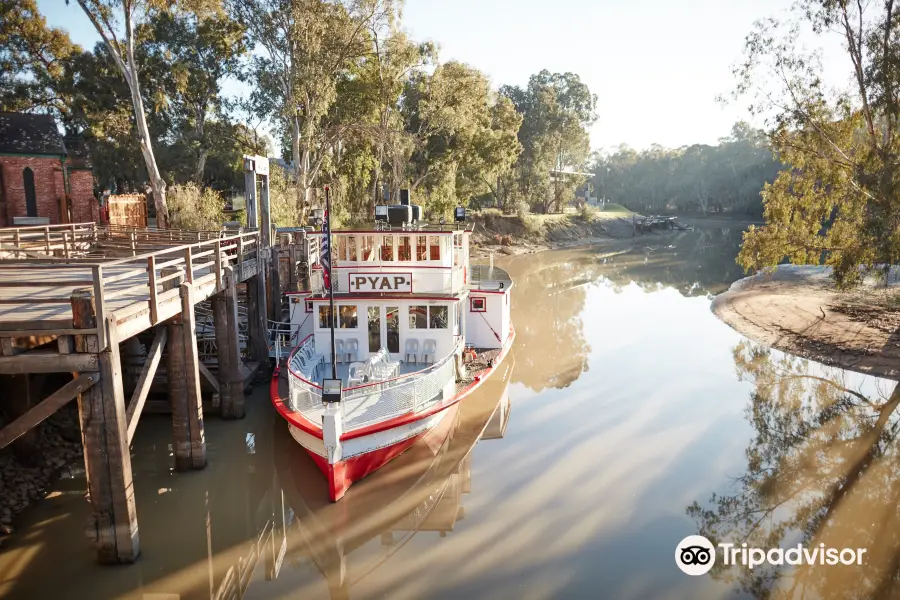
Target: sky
(656,66)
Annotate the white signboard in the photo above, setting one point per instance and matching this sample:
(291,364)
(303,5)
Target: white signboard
(381,282)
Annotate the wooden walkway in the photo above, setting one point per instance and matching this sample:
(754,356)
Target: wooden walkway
(71,294)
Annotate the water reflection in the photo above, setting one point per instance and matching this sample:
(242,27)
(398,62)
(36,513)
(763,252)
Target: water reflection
(822,468)
(550,299)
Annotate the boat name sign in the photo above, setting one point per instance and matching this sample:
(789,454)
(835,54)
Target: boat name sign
(380,282)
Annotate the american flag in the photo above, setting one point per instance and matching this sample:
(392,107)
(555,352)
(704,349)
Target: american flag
(326,252)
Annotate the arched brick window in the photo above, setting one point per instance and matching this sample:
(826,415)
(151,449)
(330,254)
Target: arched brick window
(30,194)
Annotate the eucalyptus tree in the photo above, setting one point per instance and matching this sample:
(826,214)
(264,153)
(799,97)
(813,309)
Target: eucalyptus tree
(839,202)
(463,134)
(557,110)
(116,21)
(191,56)
(304,47)
(35,61)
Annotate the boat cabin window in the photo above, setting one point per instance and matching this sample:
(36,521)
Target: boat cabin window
(418,317)
(434,247)
(347,316)
(421,247)
(309,306)
(478,304)
(324,312)
(404,250)
(428,317)
(387,248)
(457,249)
(351,248)
(437,317)
(341,248)
(367,247)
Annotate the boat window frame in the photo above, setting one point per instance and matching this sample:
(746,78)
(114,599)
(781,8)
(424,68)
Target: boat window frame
(409,247)
(421,250)
(324,309)
(482,300)
(446,317)
(434,241)
(392,257)
(340,316)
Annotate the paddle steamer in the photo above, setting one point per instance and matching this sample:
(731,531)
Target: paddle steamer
(396,329)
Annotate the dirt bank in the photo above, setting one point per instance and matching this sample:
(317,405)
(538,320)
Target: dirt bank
(798,310)
(510,234)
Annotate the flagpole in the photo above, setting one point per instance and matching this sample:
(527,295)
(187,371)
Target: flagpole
(330,285)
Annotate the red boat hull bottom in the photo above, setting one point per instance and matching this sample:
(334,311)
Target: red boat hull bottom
(342,474)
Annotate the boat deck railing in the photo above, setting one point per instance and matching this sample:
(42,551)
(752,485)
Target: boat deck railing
(372,402)
(484,277)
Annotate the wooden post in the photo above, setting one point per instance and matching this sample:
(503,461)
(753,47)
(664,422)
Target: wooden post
(47,239)
(133,244)
(224,305)
(184,384)
(188,419)
(218,265)
(188,265)
(154,303)
(107,460)
(256,318)
(275,302)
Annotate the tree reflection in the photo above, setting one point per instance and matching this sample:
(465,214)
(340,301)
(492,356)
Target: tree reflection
(822,468)
(550,344)
(696,263)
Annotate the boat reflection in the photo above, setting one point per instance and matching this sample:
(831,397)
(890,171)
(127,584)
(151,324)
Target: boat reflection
(822,468)
(420,491)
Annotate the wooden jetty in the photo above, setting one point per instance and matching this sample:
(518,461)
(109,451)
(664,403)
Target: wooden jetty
(74,296)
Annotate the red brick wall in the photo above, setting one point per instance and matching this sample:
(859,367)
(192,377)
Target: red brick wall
(81,191)
(48,186)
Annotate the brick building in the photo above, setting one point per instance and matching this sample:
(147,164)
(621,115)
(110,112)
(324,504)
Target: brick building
(41,175)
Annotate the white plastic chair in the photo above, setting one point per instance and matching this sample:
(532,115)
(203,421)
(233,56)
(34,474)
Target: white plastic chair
(412,349)
(429,348)
(339,350)
(357,374)
(352,349)
(316,358)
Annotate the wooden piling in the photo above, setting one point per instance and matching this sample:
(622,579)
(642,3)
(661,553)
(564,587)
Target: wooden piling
(183,381)
(107,459)
(225,316)
(256,318)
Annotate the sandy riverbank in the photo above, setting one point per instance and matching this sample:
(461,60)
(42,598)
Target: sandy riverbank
(798,310)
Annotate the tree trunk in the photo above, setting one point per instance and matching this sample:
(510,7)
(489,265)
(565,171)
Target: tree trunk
(201,166)
(157,184)
(204,151)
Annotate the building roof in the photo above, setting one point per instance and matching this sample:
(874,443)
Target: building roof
(22,133)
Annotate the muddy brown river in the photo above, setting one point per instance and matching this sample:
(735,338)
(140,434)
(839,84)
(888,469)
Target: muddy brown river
(626,418)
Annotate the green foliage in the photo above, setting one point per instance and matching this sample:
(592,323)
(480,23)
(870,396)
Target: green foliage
(556,109)
(282,198)
(587,212)
(192,207)
(35,61)
(698,178)
(839,203)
